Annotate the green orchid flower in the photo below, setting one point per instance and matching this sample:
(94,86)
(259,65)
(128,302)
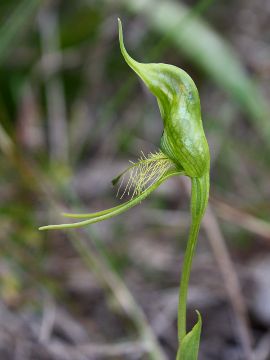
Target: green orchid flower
(183,151)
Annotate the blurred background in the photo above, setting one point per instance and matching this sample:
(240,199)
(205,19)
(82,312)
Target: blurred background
(72,115)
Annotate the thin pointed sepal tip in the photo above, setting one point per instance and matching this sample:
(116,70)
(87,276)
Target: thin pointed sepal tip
(51,227)
(199,315)
(119,25)
(65,214)
(120,29)
(41,228)
(55,227)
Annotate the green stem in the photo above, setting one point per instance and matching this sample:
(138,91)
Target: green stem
(191,246)
(199,199)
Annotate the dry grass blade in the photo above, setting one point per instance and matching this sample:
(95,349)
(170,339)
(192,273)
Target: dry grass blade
(242,219)
(14,25)
(231,281)
(57,120)
(87,351)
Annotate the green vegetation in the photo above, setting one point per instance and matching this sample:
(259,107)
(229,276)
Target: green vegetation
(72,115)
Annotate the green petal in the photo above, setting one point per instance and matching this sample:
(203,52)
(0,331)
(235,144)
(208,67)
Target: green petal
(109,213)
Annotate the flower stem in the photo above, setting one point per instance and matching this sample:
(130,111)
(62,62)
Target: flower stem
(182,305)
(199,199)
